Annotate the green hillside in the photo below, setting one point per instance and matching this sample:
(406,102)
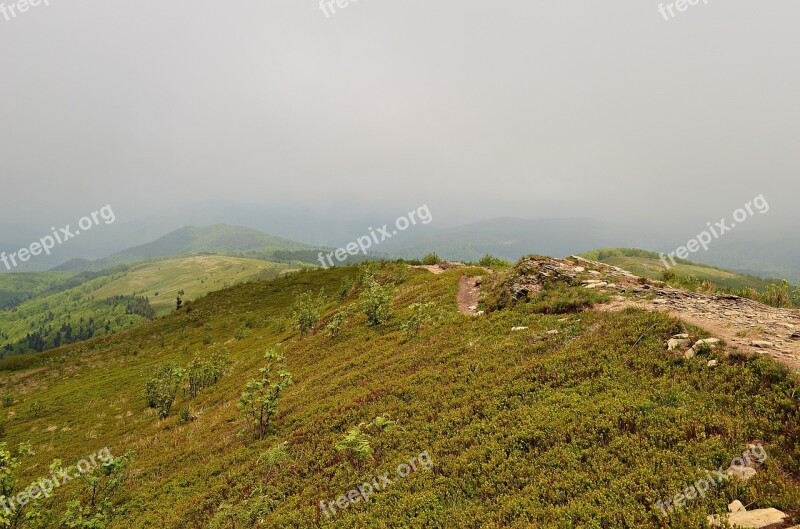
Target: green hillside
(586,427)
(15,289)
(119,298)
(648,264)
(219,239)
(195,276)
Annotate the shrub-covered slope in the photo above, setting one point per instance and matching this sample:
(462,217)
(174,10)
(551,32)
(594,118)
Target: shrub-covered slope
(586,427)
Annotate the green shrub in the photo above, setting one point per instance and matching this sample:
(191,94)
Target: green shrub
(355,445)
(777,295)
(162,388)
(94,506)
(259,401)
(490,261)
(376,302)
(202,374)
(8,482)
(431,259)
(336,325)
(345,288)
(185,416)
(559,298)
(306,310)
(421,313)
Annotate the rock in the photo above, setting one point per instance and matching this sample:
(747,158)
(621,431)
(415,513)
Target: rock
(676,344)
(681,336)
(596,285)
(761,344)
(690,353)
(554,331)
(712,363)
(741,473)
(518,328)
(579,269)
(755,519)
(796,335)
(594,272)
(708,341)
(736,506)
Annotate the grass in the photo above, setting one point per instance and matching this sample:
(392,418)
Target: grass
(584,428)
(106,302)
(195,275)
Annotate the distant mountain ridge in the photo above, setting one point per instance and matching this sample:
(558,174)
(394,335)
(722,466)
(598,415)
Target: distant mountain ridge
(218,238)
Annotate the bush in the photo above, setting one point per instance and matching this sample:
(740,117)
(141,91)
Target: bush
(490,261)
(162,388)
(202,374)
(376,301)
(421,313)
(336,325)
(777,295)
(345,288)
(431,259)
(355,445)
(306,310)
(94,507)
(259,401)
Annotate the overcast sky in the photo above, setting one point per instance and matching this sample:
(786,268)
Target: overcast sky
(524,107)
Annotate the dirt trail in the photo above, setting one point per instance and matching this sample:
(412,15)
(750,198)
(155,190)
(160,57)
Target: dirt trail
(469,288)
(744,324)
(469,292)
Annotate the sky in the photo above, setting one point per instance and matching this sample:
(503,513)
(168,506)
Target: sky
(522,108)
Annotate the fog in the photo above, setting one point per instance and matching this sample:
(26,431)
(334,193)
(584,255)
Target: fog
(197,112)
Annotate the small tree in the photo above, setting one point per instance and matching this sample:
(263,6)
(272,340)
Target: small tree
(94,507)
(421,313)
(376,302)
(178,303)
(336,325)
(162,389)
(202,374)
(306,310)
(259,401)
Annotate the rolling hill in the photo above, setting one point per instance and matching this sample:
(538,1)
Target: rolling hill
(217,239)
(89,304)
(648,264)
(194,276)
(531,415)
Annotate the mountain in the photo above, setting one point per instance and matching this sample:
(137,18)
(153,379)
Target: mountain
(219,239)
(510,238)
(541,412)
